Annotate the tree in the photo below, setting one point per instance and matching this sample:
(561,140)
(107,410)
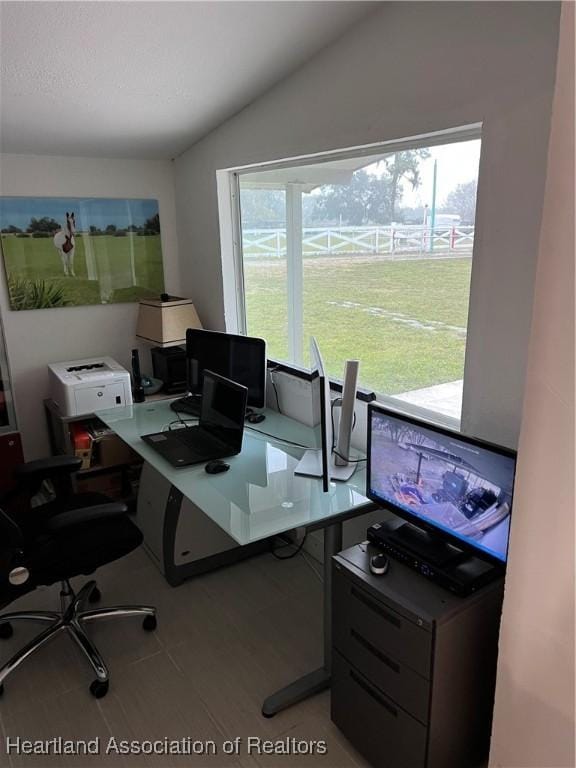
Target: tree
(370,198)
(462,200)
(12,230)
(263,208)
(110,229)
(44,224)
(365,199)
(403,165)
(153,224)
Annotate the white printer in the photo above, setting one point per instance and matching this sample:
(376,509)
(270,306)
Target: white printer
(85,386)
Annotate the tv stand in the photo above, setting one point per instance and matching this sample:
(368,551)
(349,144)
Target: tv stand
(413,667)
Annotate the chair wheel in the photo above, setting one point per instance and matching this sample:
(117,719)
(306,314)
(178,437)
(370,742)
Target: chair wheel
(149,623)
(99,689)
(6,630)
(95,596)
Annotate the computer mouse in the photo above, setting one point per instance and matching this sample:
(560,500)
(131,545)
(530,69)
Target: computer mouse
(217,466)
(379,564)
(255,418)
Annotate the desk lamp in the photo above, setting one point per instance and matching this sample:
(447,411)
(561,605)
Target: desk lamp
(164,321)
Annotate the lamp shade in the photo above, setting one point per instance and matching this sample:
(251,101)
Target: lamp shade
(164,323)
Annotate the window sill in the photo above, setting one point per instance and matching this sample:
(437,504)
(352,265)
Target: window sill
(364,395)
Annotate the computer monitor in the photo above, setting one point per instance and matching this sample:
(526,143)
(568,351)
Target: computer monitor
(240,358)
(450,486)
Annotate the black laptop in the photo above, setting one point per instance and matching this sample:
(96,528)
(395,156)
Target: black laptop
(219,431)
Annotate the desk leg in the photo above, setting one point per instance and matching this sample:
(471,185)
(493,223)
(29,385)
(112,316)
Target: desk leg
(319,680)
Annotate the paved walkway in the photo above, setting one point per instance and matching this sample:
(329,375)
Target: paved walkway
(443,398)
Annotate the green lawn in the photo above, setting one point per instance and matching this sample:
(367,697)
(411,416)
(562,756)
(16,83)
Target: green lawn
(404,320)
(114,278)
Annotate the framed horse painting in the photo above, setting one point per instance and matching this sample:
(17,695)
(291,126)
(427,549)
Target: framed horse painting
(61,251)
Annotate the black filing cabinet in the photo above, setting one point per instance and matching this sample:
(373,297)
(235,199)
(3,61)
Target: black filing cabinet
(413,665)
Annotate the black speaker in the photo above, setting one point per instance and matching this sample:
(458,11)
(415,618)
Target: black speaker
(137,388)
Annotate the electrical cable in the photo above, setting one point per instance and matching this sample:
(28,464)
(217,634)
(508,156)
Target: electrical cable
(292,554)
(272,372)
(279,439)
(348,459)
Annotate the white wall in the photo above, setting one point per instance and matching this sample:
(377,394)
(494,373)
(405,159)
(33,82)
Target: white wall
(412,68)
(36,338)
(534,710)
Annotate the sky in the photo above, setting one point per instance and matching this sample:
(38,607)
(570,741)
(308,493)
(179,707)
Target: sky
(98,212)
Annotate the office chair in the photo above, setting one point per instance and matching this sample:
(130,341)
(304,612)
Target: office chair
(70,535)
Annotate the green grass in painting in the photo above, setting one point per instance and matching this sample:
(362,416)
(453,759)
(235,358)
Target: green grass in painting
(126,268)
(405,320)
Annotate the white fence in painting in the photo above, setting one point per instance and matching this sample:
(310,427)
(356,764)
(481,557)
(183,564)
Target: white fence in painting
(333,241)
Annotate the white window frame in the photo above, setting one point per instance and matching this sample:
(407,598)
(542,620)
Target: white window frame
(228,187)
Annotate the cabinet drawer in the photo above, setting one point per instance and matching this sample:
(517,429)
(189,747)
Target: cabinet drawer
(409,689)
(385,630)
(375,725)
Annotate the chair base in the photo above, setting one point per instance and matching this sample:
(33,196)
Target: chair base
(71,619)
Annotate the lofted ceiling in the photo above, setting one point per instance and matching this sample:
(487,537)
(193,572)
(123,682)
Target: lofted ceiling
(146,79)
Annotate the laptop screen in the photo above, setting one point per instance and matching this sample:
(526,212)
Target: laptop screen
(223,409)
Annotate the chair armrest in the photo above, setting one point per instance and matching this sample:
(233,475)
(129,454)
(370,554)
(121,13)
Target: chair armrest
(84,515)
(50,467)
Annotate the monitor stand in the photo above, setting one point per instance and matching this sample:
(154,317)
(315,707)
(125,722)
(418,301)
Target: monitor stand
(310,465)
(426,546)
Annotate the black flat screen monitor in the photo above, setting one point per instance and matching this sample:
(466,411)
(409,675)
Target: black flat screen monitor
(239,358)
(450,485)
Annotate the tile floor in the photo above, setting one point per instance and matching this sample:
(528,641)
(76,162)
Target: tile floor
(224,641)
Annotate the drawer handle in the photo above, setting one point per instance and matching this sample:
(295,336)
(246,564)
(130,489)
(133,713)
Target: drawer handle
(371,692)
(376,608)
(374,651)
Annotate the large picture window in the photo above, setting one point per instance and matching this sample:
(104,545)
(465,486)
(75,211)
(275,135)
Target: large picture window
(371,253)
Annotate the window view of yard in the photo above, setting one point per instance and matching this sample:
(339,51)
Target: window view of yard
(368,266)
(382,312)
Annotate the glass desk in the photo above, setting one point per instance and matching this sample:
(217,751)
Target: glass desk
(260,496)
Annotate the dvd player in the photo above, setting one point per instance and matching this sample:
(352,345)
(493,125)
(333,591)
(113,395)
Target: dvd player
(456,571)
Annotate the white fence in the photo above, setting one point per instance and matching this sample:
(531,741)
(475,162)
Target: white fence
(331,241)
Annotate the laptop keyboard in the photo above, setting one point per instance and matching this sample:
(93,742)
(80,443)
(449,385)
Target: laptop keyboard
(191,437)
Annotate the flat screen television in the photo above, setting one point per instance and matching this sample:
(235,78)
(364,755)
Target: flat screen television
(453,487)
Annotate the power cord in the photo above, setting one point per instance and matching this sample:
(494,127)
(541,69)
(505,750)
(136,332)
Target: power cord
(292,554)
(272,372)
(348,459)
(279,439)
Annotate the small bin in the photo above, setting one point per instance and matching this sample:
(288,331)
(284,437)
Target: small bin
(112,451)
